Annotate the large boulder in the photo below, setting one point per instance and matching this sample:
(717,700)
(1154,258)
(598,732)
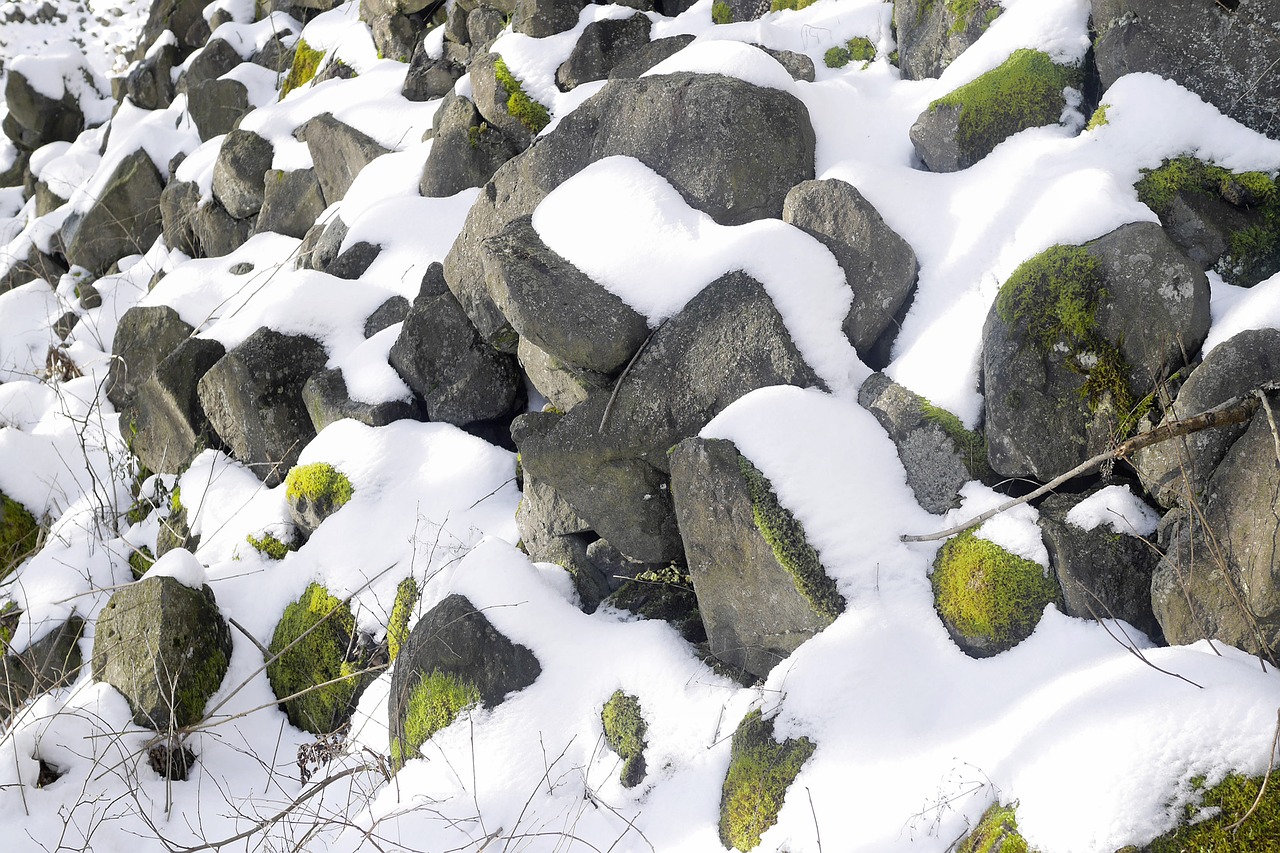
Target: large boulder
(731,149)
(931,34)
(253,398)
(179,202)
(542,18)
(551,532)
(35,119)
(339,152)
(465,150)
(165,647)
(327,400)
(216,106)
(1224,52)
(123,220)
(762,590)
(171,426)
(51,662)
(1077,338)
(645,57)
(149,83)
(145,336)
(185,18)
(602,45)
(215,58)
(291,202)
(239,173)
(217,233)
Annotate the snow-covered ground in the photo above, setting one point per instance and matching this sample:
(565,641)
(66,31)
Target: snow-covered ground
(914,739)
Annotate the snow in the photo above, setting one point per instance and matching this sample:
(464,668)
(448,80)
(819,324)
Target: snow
(181,565)
(1116,507)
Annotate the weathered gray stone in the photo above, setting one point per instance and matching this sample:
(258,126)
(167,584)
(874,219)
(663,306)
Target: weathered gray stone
(124,220)
(51,662)
(36,265)
(184,18)
(149,83)
(393,311)
(35,119)
(395,34)
(327,400)
(484,25)
(492,99)
(178,203)
(645,57)
(217,232)
(321,244)
(145,336)
(274,55)
(354,261)
(239,173)
(171,425)
(542,18)
(930,34)
(216,106)
(602,45)
(291,202)
(465,150)
(339,152)
(216,58)
(429,78)
(563,385)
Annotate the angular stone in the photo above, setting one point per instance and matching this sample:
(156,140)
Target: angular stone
(542,18)
(51,662)
(218,233)
(239,173)
(602,45)
(327,400)
(386,315)
(291,202)
(216,58)
(465,150)
(149,84)
(124,220)
(563,385)
(172,428)
(178,204)
(931,35)
(645,57)
(35,119)
(216,106)
(339,152)
(145,336)
(354,261)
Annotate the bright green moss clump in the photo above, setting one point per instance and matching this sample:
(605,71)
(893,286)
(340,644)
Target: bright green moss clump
(624,728)
(398,626)
(1099,117)
(796,5)
(790,546)
(1220,807)
(996,832)
(270,546)
(319,482)
(435,703)
(760,771)
(306,61)
(971,444)
(326,653)
(140,561)
(9,616)
(721,13)
(1025,91)
(529,112)
(989,599)
(858,49)
(19,534)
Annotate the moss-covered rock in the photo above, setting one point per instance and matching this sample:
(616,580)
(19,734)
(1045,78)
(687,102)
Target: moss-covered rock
(526,110)
(760,771)
(318,670)
(996,832)
(433,704)
(663,593)
(1208,825)
(407,594)
(140,561)
(314,492)
(19,534)
(989,599)
(306,61)
(271,546)
(624,729)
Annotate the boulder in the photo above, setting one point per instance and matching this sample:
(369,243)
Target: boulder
(145,336)
(731,149)
(165,646)
(291,202)
(239,172)
(216,106)
(386,315)
(556,307)
(275,55)
(728,341)
(171,427)
(216,58)
(640,60)
(484,25)
(149,83)
(253,398)
(962,127)
(502,102)
(1077,338)
(35,119)
(551,532)
(179,201)
(453,646)
(465,150)
(429,78)
(327,400)
(36,265)
(762,590)
(602,45)
(542,18)
(185,18)
(798,65)
(878,264)
(321,244)
(124,220)
(218,233)
(930,34)
(394,34)
(51,662)
(563,385)
(339,152)
(354,261)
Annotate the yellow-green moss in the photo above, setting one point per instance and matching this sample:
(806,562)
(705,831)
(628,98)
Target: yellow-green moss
(1099,117)
(434,703)
(760,771)
(836,57)
(140,561)
(987,595)
(398,625)
(624,729)
(1024,91)
(201,681)
(666,594)
(320,483)
(971,444)
(996,832)
(525,109)
(19,534)
(9,616)
(858,48)
(306,61)
(322,655)
(269,546)
(721,13)
(795,5)
(790,546)
(1205,823)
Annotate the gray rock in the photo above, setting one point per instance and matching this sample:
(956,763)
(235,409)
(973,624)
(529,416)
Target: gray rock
(563,385)
(542,18)
(291,202)
(616,567)
(36,265)
(1103,574)
(938,455)
(216,58)
(429,78)
(47,200)
(555,306)
(1152,311)
(321,244)
(35,119)
(20,165)
(327,400)
(239,173)
(799,66)
(460,378)
(51,662)
(758,602)
(1202,225)
(339,152)
(602,45)
(145,336)
(733,150)
(174,533)
(149,83)
(355,261)
(165,647)
(492,101)
(274,55)
(171,425)
(253,398)
(217,232)
(484,25)
(124,220)
(394,34)
(930,34)
(184,18)
(386,315)
(216,106)
(179,201)
(465,150)
(878,264)
(645,57)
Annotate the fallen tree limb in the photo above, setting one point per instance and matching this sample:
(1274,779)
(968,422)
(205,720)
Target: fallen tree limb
(1234,411)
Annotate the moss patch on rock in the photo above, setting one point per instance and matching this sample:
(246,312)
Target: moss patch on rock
(760,771)
(318,482)
(721,13)
(971,444)
(796,5)
(434,703)
(270,546)
(624,729)
(19,534)
(1206,824)
(790,546)
(1099,117)
(665,594)
(989,599)
(9,617)
(525,109)
(306,61)
(140,561)
(857,49)
(996,832)
(401,609)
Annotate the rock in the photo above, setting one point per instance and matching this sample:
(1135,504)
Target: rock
(145,336)
(178,203)
(386,315)
(339,152)
(172,428)
(1177,471)
(484,25)
(19,165)
(216,58)
(879,265)
(465,150)
(175,531)
(1077,338)
(218,233)
(459,377)
(542,18)
(35,119)
(646,56)
(355,261)
(429,78)
(453,644)
(938,454)
(36,265)
(1223,53)
(563,385)
(51,662)
(216,106)
(149,83)
(321,244)
(551,532)
(165,647)
(930,35)
(761,587)
(512,113)
(733,150)
(253,398)
(239,173)
(314,492)
(602,45)
(124,220)
(327,400)
(47,200)
(728,341)
(755,786)
(274,55)
(291,202)
(19,534)
(624,730)
(1103,574)
(549,302)
(799,66)
(961,128)
(184,18)
(394,34)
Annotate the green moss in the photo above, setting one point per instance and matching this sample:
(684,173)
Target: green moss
(475,133)
(175,501)
(1205,823)
(971,444)
(306,61)
(962,12)
(996,832)
(861,49)
(624,729)
(760,771)
(721,13)
(19,534)
(319,483)
(665,594)
(398,625)
(526,110)
(796,5)
(270,546)
(435,702)
(1025,91)
(836,57)
(790,546)
(324,654)
(9,616)
(140,561)
(988,595)
(1099,117)
(201,681)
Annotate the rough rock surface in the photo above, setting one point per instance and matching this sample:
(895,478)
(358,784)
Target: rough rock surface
(239,173)
(52,661)
(931,34)
(327,400)
(291,202)
(602,45)
(125,218)
(146,335)
(171,424)
(339,152)
(563,385)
